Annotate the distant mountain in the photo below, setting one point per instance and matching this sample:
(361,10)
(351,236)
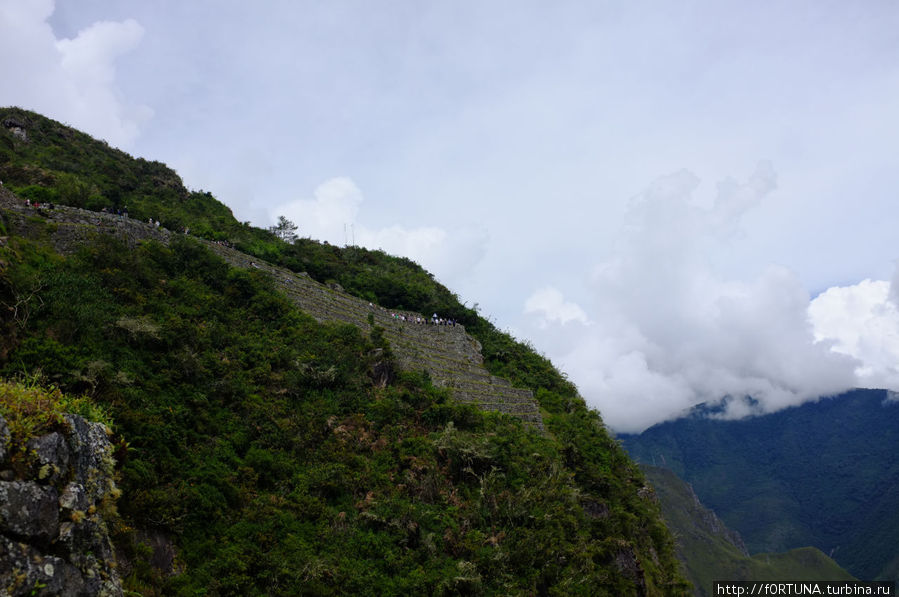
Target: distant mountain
(825,474)
(710,551)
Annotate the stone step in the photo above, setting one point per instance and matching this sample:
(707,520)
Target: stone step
(509,394)
(517,409)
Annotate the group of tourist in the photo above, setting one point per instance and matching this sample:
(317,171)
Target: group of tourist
(435,320)
(116,211)
(442,320)
(418,319)
(38,204)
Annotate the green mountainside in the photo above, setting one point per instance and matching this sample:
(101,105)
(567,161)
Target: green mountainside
(710,551)
(267,452)
(824,474)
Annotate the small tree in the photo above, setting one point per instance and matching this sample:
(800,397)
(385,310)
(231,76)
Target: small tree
(285,230)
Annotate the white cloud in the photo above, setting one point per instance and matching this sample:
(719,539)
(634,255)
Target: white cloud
(72,80)
(328,214)
(670,332)
(332,215)
(552,307)
(449,254)
(862,321)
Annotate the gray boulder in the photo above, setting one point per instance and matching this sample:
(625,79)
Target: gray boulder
(4,439)
(29,510)
(26,571)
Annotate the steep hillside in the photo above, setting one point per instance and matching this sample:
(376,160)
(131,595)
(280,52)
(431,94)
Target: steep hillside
(824,474)
(270,452)
(43,160)
(445,352)
(710,551)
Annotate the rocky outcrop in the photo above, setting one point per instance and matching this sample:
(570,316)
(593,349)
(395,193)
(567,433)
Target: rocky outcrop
(56,493)
(450,356)
(16,127)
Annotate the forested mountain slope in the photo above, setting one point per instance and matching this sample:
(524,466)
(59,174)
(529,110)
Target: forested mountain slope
(710,551)
(824,474)
(262,447)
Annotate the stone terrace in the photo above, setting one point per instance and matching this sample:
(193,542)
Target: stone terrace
(450,356)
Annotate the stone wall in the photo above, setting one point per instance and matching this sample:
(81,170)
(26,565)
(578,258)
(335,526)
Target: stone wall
(448,354)
(54,496)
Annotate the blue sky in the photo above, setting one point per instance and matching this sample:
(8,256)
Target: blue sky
(673,201)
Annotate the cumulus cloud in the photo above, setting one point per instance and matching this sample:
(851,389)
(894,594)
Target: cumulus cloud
(332,214)
(333,207)
(670,332)
(72,80)
(449,254)
(551,307)
(862,321)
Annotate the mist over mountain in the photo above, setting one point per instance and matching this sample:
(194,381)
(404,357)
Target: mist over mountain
(668,327)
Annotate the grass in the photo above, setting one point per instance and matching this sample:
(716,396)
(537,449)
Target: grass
(31,409)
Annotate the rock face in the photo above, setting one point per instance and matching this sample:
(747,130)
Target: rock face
(53,498)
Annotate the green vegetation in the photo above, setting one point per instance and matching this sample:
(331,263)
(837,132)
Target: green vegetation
(61,165)
(257,441)
(31,410)
(710,552)
(821,474)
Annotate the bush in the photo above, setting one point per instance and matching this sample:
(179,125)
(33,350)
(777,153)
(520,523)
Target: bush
(38,194)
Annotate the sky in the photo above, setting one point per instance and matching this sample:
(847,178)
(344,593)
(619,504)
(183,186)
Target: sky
(676,202)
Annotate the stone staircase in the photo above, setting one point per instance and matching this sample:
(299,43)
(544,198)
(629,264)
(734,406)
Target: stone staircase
(448,354)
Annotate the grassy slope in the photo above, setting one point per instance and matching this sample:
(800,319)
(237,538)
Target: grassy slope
(707,553)
(258,443)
